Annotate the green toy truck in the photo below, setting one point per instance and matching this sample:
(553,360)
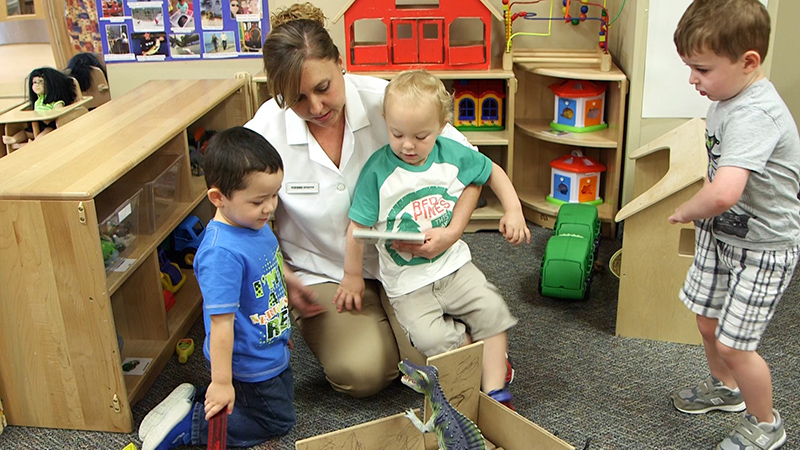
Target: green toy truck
(569,256)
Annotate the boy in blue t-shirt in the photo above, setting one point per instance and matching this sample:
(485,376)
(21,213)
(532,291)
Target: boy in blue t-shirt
(239,268)
(413,184)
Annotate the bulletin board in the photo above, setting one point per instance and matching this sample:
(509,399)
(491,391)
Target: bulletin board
(172,30)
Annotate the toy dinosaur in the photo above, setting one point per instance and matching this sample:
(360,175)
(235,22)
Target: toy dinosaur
(454,430)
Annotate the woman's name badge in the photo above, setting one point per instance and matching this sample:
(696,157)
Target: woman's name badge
(302,188)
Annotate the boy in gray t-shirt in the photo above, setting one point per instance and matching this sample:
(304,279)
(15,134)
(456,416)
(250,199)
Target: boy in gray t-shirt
(747,215)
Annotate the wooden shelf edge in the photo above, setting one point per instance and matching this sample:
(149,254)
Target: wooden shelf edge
(537,203)
(575,72)
(499,137)
(540,129)
(493,73)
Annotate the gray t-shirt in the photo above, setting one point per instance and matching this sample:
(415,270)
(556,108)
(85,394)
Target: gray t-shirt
(756,131)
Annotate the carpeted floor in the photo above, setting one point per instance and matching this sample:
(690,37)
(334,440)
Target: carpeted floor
(574,377)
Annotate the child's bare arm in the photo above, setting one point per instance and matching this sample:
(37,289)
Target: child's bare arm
(220,392)
(512,224)
(715,197)
(351,289)
(438,240)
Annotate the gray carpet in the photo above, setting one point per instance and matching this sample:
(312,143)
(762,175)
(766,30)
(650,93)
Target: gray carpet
(574,377)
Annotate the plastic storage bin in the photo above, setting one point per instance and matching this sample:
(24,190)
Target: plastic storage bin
(160,194)
(118,232)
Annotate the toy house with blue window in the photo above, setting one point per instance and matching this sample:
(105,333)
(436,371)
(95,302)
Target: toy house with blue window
(575,179)
(579,106)
(478,105)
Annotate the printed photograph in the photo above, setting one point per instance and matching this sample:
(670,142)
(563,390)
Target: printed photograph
(211,12)
(149,44)
(250,36)
(112,8)
(147,17)
(185,45)
(182,18)
(117,36)
(218,42)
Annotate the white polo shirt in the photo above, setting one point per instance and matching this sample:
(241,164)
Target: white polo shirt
(312,214)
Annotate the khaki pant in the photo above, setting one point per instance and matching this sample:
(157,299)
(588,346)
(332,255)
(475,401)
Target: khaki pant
(358,350)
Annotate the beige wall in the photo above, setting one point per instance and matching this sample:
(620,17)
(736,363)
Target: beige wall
(785,72)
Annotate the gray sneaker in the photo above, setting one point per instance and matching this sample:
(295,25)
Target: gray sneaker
(750,435)
(707,396)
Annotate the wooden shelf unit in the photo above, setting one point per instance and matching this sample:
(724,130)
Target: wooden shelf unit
(536,146)
(60,313)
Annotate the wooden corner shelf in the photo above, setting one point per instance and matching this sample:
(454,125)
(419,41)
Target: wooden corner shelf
(536,145)
(57,297)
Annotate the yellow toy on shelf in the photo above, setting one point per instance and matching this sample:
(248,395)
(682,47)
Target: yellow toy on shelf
(184,348)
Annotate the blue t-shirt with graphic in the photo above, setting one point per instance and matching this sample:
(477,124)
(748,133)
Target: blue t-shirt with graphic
(240,271)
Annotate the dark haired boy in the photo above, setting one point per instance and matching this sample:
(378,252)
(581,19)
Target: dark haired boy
(239,268)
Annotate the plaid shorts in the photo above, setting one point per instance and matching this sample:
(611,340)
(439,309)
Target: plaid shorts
(737,286)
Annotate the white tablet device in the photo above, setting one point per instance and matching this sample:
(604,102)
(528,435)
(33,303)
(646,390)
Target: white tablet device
(370,236)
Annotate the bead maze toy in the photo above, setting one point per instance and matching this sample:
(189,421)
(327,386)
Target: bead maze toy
(593,58)
(569,257)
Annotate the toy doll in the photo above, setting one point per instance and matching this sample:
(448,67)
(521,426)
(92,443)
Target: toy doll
(80,67)
(48,89)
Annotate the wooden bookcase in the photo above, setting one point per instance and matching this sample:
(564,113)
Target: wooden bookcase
(498,145)
(536,146)
(60,313)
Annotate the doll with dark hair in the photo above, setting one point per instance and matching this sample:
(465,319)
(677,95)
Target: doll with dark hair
(48,89)
(80,67)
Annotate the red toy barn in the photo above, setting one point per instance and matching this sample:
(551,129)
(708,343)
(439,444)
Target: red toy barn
(406,34)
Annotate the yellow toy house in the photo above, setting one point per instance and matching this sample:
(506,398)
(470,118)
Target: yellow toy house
(479,105)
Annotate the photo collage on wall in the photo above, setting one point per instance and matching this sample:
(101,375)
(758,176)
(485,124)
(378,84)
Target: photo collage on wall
(172,30)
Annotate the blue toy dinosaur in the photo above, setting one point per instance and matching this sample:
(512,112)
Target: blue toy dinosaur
(454,430)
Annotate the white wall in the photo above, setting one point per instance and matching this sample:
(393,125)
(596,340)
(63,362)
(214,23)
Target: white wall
(632,50)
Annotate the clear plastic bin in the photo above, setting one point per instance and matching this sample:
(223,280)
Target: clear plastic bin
(161,193)
(118,232)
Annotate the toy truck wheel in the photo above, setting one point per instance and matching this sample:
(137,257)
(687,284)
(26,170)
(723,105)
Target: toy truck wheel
(188,256)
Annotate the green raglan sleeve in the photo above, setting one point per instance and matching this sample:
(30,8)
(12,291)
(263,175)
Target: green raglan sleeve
(473,167)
